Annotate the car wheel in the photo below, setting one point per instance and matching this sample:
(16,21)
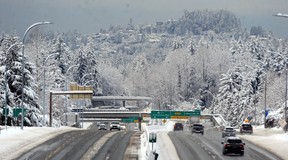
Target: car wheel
(224,153)
(202,133)
(242,154)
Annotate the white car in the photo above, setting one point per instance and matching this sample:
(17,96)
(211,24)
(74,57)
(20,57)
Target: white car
(122,126)
(136,129)
(115,125)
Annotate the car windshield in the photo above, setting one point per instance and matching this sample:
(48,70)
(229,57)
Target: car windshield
(115,122)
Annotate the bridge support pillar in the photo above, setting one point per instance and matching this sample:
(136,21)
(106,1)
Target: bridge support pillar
(139,123)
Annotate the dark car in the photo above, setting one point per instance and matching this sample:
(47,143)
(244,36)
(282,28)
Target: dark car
(178,127)
(197,128)
(228,132)
(233,145)
(246,128)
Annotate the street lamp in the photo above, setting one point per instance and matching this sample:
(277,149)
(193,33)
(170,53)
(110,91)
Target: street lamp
(286,87)
(66,88)
(281,15)
(66,74)
(265,92)
(23,65)
(44,83)
(81,82)
(88,82)
(285,109)
(6,83)
(255,97)
(206,91)
(82,79)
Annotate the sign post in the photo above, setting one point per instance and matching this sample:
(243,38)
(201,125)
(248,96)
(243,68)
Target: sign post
(152,138)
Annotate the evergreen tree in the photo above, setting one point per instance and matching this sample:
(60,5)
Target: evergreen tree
(15,81)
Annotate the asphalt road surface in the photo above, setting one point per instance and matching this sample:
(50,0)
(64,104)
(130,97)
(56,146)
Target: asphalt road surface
(208,147)
(82,144)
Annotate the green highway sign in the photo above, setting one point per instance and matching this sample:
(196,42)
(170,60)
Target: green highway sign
(174,114)
(160,114)
(130,120)
(5,111)
(17,111)
(193,113)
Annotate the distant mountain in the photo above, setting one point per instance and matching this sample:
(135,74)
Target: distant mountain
(197,22)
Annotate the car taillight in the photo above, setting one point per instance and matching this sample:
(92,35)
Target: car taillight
(241,146)
(227,145)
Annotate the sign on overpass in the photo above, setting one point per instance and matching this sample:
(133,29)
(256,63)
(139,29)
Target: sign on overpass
(174,114)
(130,120)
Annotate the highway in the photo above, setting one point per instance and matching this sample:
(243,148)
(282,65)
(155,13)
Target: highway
(209,147)
(84,144)
(118,145)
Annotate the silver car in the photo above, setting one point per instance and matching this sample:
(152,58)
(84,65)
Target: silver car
(229,132)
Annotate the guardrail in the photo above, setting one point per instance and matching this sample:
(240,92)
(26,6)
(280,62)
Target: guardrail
(218,118)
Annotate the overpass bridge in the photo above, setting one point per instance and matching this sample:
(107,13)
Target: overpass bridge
(217,119)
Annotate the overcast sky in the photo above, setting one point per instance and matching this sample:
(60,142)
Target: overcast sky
(88,16)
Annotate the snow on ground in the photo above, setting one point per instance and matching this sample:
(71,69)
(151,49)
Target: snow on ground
(17,141)
(163,146)
(272,139)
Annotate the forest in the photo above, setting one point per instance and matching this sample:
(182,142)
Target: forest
(205,58)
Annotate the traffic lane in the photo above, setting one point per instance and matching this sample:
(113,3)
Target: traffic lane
(115,147)
(78,147)
(188,147)
(212,140)
(52,146)
(61,145)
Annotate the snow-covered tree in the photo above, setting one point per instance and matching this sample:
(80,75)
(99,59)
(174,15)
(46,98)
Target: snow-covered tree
(15,81)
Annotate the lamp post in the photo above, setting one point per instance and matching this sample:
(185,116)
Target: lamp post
(44,84)
(81,82)
(255,97)
(265,91)
(206,91)
(88,82)
(285,109)
(286,87)
(66,88)
(6,83)
(23,65)
(82,79)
